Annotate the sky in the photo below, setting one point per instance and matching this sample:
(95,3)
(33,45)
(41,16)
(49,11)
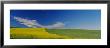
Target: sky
(70,19)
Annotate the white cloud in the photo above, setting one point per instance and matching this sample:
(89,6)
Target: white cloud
(28,23)
(56,25)
(35,24)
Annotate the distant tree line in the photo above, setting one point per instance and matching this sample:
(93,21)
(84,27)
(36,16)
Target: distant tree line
(14,27)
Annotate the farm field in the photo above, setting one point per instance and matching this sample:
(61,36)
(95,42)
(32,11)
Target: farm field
(33,33)
(77,33)
(42,33)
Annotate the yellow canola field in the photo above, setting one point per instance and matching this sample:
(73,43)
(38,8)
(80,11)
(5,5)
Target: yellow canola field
(33,33)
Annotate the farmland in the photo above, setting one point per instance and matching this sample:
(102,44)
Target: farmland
(42,33)
(77,33)
(33,33)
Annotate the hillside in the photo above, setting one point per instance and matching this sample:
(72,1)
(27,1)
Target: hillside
(77,33)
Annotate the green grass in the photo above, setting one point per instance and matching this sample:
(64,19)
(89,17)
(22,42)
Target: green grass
(77,33)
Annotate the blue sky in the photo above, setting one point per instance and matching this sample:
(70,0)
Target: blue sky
(77,19)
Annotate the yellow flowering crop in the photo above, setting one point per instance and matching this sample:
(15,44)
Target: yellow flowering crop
(33,33)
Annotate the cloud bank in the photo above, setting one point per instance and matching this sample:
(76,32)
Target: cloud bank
(35,24)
